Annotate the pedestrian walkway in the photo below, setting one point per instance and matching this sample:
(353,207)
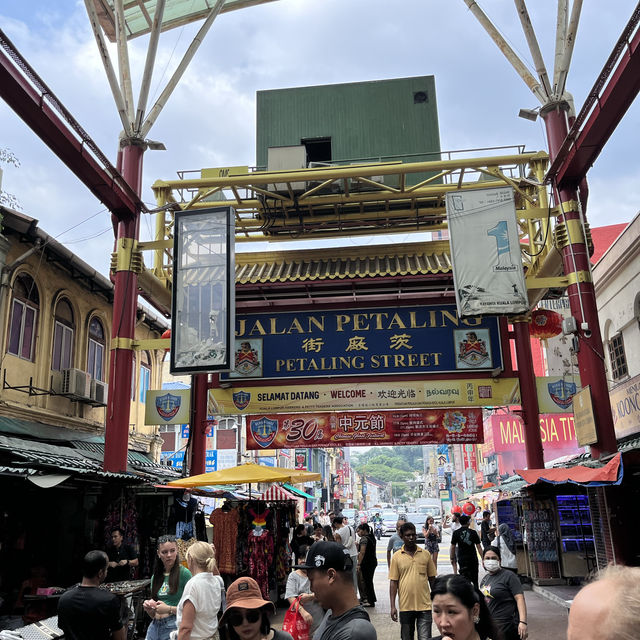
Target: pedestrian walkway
(547,620)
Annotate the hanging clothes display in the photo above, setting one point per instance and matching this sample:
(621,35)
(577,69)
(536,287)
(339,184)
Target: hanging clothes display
(182,513)
(259,551)
(225,533)
(251,538)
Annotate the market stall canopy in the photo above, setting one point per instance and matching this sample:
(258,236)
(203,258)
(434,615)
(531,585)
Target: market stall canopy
(611,473)
(300,493)
(248,473)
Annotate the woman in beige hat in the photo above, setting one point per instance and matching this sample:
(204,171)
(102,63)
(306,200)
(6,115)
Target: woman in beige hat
(247,614)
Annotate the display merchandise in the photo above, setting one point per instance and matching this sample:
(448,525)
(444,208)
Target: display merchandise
(508,513)
(251,537)
(576,535)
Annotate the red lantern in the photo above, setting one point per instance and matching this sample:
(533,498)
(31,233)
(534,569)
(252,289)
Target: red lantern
(545,324)
(456,509)
(469,508)
(165,335)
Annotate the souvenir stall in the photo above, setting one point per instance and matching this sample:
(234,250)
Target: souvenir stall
(563,522)
(251,538)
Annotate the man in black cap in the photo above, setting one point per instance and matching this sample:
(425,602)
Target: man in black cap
(329,568)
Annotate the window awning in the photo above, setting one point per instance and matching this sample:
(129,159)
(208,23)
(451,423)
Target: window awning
(298,492)
(610,474)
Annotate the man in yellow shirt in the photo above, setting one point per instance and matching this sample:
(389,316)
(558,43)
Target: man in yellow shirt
(412,574)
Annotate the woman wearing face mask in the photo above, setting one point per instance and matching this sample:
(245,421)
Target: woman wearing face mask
(167,584)
(504,597)
(247,614)
(459,610)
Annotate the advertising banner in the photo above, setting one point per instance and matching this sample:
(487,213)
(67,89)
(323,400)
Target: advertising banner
(585,421)
(203,304)
(485,251)
(365,428)
(362,342)
(555,393)
(625,404)
(470,392)
(168,407)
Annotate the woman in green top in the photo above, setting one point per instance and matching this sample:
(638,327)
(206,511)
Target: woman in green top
(167,584)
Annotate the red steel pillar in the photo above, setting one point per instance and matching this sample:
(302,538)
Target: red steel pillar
(125,301)
(198,427)
(581,291)
(528,395)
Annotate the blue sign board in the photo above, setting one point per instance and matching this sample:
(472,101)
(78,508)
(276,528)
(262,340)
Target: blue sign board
(185,430)
(373,341)
(211,460)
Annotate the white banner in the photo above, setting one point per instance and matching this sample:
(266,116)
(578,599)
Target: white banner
(485,252)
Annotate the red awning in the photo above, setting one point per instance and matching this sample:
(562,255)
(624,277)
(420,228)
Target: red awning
(611,473)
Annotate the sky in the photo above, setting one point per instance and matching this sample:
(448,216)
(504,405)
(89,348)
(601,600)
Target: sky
(210,119)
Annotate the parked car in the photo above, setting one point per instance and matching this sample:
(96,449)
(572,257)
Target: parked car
(389,519)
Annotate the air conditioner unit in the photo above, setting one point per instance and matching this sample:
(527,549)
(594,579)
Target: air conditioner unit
(286,159)
(76,384)
(99,391)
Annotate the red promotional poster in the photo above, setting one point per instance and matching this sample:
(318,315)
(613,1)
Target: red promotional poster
(364,428)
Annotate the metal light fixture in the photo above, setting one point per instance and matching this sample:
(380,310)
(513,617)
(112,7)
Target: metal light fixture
(528,114)
(154,145)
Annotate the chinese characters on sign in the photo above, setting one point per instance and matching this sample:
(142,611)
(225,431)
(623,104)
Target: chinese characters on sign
(386,340)
(369,428)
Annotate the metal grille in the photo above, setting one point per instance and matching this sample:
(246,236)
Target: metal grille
(605,553)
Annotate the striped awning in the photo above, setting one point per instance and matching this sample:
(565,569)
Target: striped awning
(276,492)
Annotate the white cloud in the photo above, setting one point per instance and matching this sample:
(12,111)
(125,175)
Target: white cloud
(210,119)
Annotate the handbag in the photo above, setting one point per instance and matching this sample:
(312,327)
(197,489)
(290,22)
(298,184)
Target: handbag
(294,623)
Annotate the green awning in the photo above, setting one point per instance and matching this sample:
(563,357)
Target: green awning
(300,493)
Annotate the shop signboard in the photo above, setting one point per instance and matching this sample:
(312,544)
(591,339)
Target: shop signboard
(485,250)
(468,392)
(625,405)
(167,407)
(557,432)
(363,428)
(363,342)
(584,419)
(211,460)
(301,460)
(555,393)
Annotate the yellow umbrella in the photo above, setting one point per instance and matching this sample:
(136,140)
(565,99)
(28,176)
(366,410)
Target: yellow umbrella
(246,473)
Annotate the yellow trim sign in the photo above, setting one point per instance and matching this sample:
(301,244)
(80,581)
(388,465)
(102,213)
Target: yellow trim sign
(470,392)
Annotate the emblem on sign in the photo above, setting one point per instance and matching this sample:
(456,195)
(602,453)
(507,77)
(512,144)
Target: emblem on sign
(168,406)
(241,399)
(247,360)
(562,392)
(472,350)
(264,431)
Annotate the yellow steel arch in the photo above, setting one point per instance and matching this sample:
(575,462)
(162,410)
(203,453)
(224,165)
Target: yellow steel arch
(364,199)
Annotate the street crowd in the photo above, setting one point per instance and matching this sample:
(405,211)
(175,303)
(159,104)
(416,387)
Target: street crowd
(334,561)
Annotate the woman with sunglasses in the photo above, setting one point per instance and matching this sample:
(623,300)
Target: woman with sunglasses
(167,584)
(247,614)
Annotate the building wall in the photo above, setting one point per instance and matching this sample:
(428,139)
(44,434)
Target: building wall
(617,283)
(54,283)
(364,119)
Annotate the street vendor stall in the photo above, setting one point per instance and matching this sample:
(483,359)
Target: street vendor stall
(252,536)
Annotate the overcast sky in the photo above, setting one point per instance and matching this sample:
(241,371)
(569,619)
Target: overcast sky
(210,119)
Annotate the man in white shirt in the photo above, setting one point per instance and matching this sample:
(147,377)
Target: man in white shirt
(344,533)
